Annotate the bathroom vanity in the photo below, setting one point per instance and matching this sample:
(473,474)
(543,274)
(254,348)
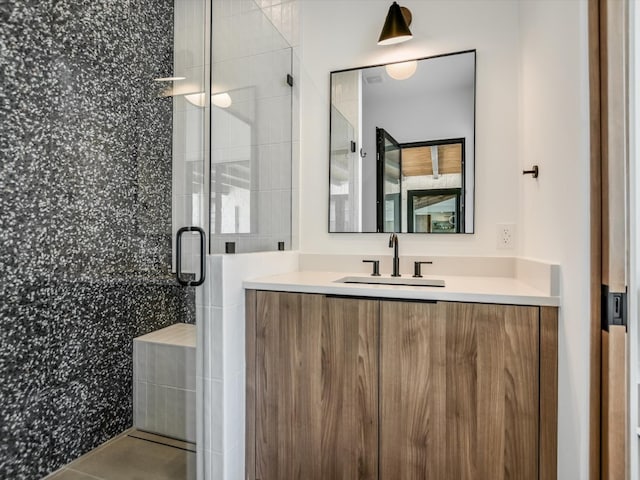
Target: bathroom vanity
(400,382)
(452,380)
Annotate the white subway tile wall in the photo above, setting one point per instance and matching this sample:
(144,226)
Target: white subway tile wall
(221,358)
(251,138)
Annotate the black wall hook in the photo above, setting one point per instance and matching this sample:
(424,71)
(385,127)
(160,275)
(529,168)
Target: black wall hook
(533,172)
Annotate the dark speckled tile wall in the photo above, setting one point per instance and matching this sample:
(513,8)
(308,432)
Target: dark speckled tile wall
(85,220)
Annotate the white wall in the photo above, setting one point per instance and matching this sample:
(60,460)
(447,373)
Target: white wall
(491,27)
(554,209)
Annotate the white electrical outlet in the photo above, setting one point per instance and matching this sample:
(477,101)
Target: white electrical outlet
(506,236)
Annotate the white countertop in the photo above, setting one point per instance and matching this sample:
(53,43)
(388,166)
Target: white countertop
(476,289)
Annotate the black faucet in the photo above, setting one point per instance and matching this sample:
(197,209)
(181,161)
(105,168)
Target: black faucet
(393,242)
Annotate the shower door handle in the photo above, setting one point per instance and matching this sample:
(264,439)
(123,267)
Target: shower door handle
(181,281)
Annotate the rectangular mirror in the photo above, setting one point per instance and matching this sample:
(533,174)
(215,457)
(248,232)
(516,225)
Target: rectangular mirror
(402,148)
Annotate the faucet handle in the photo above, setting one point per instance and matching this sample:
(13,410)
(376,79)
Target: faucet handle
(376,267)
(416,268)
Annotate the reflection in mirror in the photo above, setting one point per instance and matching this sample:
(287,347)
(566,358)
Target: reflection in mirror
(389,153)
(402,147)
(433,186)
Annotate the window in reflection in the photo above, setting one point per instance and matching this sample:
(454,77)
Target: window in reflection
(434,211)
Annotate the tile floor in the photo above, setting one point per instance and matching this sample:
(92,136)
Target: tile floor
(134,455)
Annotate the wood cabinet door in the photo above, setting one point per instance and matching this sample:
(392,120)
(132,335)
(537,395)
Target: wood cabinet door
(316,397)
(458,391)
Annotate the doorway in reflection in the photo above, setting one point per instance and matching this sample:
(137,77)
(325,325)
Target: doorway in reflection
(389,155)
(420,185)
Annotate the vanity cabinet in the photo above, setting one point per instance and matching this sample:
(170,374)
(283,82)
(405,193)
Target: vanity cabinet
(316,398)
(353,388)
(458,391)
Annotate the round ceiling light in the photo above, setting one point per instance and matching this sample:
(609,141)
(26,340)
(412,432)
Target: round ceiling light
(402,70)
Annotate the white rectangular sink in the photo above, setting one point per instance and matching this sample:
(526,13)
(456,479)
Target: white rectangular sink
(407,281)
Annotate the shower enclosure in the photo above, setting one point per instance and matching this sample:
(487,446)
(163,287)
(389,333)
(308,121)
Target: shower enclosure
(240,120)
(85,231)
(122,123)
(232,141)
(251,126)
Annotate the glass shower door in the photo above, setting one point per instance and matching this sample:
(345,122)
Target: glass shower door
(188,85)
(251,137)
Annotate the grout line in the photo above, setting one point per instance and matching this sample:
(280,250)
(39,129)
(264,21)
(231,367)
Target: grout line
(84,473)
(161,443)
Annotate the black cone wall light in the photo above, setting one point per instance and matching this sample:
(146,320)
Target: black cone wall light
(396,26)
